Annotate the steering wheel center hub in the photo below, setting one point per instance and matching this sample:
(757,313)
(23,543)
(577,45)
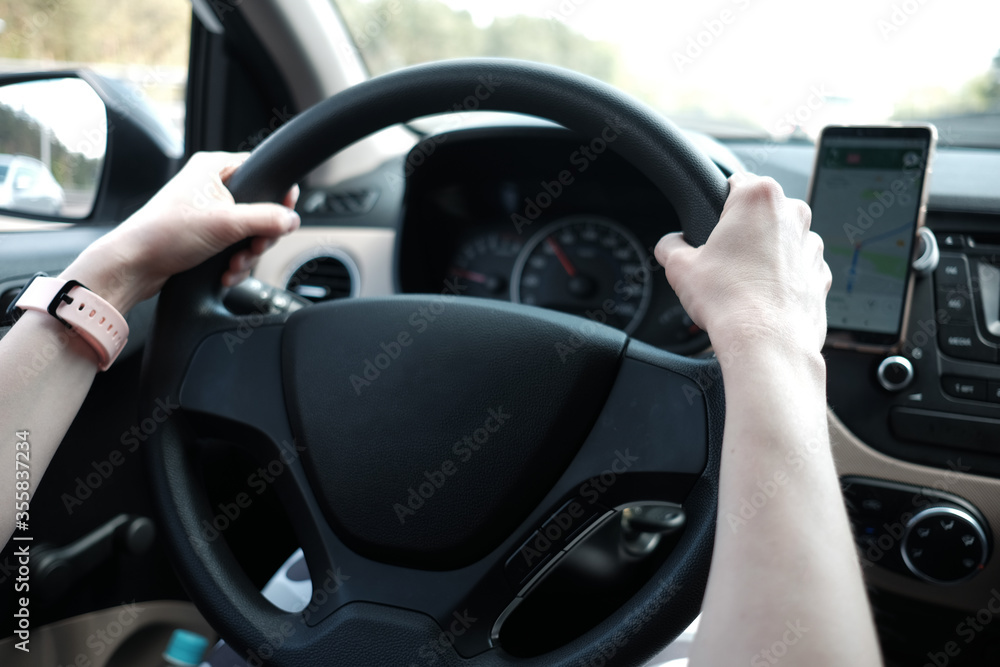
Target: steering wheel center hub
(432,433)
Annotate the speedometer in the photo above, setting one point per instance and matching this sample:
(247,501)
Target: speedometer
(584,265)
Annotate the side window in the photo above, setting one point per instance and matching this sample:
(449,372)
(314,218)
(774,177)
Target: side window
(142,43)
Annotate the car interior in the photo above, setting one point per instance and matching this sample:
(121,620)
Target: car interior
(448,387)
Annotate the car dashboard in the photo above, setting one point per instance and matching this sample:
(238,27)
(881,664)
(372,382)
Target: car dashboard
(521,212)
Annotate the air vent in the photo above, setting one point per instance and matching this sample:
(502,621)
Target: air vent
(325,278)
(341,202)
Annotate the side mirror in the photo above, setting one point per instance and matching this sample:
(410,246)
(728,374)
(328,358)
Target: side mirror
(57,128)
(76,145)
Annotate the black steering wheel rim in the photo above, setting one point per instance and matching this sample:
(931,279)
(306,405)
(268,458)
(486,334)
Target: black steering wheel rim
(190,311)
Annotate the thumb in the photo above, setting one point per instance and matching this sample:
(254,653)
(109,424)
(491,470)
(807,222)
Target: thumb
(674,253)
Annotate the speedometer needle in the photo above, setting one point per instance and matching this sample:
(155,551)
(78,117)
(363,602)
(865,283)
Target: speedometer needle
(561,255)
(474,276)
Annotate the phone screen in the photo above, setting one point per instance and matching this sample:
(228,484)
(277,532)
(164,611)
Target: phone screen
(866,204)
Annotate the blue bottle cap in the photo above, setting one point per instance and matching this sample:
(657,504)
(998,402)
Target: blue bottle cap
(185,648)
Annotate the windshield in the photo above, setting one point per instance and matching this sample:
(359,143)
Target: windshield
(769,69)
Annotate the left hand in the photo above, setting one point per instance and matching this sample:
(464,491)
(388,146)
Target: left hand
(192,218)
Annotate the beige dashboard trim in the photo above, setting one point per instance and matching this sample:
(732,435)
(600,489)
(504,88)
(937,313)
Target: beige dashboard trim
(854,457)
(370,248)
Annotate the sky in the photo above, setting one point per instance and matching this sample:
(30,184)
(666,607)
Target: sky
(69,107)
(767,58)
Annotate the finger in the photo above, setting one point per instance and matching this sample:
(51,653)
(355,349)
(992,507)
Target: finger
(261,219)
(261,244)
(226,164)
(231,278)
(292,197)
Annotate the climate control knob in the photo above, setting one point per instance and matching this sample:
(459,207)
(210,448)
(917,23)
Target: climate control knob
(895,373)
(944,545)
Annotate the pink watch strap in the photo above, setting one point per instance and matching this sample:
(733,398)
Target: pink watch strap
(94,319)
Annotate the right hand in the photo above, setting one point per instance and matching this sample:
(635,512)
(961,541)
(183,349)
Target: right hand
(761,273)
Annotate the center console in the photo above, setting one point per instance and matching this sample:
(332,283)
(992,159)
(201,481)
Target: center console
(934,401)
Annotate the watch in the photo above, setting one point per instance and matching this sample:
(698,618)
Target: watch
(95,320)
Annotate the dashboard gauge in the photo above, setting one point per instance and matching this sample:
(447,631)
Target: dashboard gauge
(483,265)
(678,326)
(585,265)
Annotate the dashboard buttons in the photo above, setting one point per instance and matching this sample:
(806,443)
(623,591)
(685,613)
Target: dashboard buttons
(944,545)
(956,305)
(895,373)
(973,389)
(962,342)
(993,391)
(952,272)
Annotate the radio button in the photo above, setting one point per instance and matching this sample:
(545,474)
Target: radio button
(973,389)
(962,342)
(956,304)
(952,272)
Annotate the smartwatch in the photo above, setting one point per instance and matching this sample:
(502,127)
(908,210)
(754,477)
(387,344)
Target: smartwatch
(95,320)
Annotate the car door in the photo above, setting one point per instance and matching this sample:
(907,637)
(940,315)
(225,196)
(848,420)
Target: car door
(170,84)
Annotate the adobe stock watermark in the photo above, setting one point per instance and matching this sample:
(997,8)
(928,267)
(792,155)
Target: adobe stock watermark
(779,648)
(375,23)
(785,125)
(420,320)
(711,30)
(571,518)
(464,450)
(892,536)
(968,630)
(549,191)
(900,192)
(768,488)
(434,650)
(626,287)
(87,484)
(257,482)
(609,649)
(261,654)
(564,9)
(484,89)
(29,27)
(899,15)
(278,118)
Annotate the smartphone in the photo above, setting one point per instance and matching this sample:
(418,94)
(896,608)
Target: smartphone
(868,196)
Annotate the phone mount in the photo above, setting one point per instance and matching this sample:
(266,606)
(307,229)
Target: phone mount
(929,252)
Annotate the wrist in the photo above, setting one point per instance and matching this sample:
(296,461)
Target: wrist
(110,272)
(753,349)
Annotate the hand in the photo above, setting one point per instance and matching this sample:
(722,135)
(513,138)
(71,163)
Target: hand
(192,218)
(761,273)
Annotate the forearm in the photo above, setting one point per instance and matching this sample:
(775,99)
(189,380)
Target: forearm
(47,372)
(782,529)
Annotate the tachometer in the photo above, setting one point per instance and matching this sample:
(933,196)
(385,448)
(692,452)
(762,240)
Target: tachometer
(482,266)
(584,265)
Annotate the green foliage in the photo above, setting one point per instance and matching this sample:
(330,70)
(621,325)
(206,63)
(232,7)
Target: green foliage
(395,33)
(22,135)
(979,95)
(97,31)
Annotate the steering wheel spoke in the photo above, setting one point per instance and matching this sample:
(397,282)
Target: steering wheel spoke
(431,497)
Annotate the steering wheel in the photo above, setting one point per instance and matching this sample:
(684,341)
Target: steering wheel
(483,440)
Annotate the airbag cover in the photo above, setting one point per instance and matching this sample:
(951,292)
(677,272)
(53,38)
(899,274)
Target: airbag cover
(433,425)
